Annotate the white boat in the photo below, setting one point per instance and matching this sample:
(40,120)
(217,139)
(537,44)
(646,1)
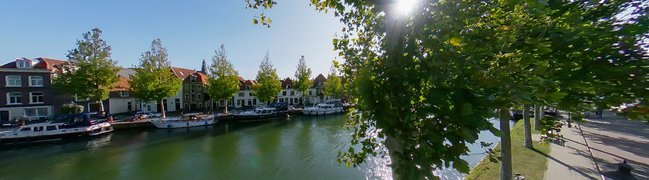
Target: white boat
(323,109)
(187,120)
(260,114)
(50,130)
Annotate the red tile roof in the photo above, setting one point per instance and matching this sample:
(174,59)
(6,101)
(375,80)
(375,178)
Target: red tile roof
(41,63)
(182,73)
(52,63)
(202,77)
(122,85)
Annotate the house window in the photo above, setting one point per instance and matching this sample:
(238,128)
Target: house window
(241,94)
(36,81)
(193,97)
(254,102)
(14,81)
(36,97)
(250,94)
(123,93)
(36,112)
(187,96)
(310,93)
(247,87)
(199,97)
(128,106)
(292,93)
(24,64)
(14,98)
(284,93)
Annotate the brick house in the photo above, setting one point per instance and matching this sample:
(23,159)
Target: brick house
(27,89)
(195,93)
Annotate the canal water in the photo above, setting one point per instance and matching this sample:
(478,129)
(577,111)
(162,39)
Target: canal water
(298,148)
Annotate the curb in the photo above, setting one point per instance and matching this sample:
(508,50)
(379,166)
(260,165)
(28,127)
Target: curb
(590,150)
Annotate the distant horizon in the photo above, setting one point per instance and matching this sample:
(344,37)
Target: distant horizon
(190,31)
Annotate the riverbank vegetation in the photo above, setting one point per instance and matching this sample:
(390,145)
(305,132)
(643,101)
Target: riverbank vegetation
(530,163)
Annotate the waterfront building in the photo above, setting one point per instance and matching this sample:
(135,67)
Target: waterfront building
(245,96)
(289,95)
(315,95)
(122,101)
(27,90)
(195,92)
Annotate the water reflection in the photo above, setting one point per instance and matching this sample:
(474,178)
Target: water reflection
(297,148)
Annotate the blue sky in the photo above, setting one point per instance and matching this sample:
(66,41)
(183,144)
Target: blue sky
(190,30)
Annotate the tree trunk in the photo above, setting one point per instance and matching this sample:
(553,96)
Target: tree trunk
(401,168)
(226,107)
(528,126)
(102,111)
(537,117)
(505,146)
(162,109)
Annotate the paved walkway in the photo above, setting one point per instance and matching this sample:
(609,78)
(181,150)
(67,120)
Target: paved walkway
(612,139)
(570,159)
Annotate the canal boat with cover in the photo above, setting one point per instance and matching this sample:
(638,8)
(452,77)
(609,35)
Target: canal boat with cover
(330,107)
(260,114)
(186,120)
(76,125)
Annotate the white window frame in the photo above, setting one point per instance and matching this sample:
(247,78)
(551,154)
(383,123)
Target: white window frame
(33,85)
(20,83)
(24,64)
(31,98)
(36,112)
(9,98)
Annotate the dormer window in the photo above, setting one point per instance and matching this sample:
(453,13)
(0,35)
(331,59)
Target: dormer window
(247,87)
(123,93)
(193,78)
(23,63)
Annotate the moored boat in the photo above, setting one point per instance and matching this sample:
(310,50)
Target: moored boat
(331,107)
(186,120)
(79,125)
(260,114)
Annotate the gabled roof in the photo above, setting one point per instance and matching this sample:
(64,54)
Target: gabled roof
(287,82)
(182,73)
(243,83)
(319,78)
(122,84)
(200,77)
(40,63)
(250,82)
(52,63)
